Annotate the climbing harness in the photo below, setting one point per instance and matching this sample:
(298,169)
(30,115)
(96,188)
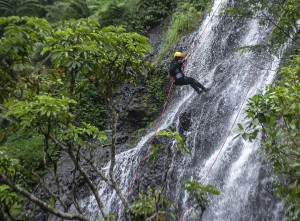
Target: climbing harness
(195,43)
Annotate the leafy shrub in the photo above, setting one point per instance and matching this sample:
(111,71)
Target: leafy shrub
(184,20)
(150,13)
(67,9)
(10,202)
(114,14)
(27,148)
(276,113)
(155,86)
(135,15)
(91,108)
(20,8)
(199,193)
(150,204)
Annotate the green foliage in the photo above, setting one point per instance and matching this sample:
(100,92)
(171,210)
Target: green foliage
(67,9)
(149,13)
(111,12)
(20,8)
(155,86)
(283,16)
(52,115)
(155,90)
(77,133)
(180,145)
(276,113)
(107,57)
(28,148)
(134,15)
(150,204)
(41,110)
(185,19)
(91,107)
(17,45)
(8,165)
(10,202)
(200,193)
(106,217)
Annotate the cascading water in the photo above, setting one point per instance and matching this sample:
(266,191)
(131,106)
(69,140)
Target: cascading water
(217,157)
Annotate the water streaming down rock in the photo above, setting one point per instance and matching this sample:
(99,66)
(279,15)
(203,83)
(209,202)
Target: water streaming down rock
(244,181)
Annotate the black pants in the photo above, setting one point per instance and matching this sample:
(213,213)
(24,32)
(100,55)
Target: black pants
(191,81)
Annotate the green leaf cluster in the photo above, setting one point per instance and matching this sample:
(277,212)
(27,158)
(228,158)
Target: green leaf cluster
(42,110)
(27,148)
(200,193)
(150,204)
(67,9)
(108,56)
(44,71)
(185,19)
(10,202)
(277,114)
(155,87)
(180,145)
(20,8)
(283,16)
(134,15)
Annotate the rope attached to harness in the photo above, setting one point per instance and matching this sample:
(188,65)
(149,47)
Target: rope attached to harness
(148,150)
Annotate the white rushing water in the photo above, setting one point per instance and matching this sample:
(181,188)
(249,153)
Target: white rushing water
(218,157)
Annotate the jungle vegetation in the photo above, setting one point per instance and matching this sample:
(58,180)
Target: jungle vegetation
(276,113)
(61,64)
(57,53)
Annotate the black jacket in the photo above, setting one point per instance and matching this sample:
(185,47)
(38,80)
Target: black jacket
(175,69)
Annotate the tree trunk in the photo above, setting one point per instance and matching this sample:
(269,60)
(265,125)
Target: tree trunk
(41,203)
(114,119)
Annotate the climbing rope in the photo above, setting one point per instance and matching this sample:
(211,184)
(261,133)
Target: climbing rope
(197,41)
(148,150)
(227,136)
(189,204)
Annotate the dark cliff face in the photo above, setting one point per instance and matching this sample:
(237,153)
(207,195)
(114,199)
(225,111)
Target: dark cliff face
(206,123)
(132,112)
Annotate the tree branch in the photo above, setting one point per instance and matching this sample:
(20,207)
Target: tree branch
(41,203)
(86,177)
(57,197)
(112,183)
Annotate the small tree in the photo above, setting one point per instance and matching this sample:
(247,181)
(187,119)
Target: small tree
(20,8)
(276,114)
(41,94)
(199,194)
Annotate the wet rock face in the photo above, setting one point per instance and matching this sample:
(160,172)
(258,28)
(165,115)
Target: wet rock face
(133,114)
(136,111)
(184,122)
(126,98)
(156,169)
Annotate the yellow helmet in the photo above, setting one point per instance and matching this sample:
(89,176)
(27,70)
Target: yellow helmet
(178,54)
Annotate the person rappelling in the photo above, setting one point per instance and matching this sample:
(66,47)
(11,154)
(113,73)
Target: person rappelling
(180,79)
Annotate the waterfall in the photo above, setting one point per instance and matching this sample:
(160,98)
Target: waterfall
(218,157)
